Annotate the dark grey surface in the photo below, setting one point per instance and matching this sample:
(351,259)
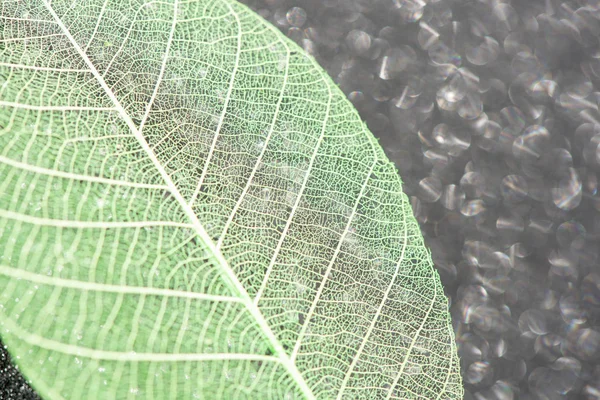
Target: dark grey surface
(489,108)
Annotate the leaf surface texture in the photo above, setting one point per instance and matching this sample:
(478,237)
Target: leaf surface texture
(190,208)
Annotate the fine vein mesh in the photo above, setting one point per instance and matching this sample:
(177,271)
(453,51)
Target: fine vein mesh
(190,208)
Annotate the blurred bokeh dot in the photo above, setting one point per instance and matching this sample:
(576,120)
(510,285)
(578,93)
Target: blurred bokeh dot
(296,17)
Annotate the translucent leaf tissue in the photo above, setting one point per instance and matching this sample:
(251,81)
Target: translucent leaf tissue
(190,208)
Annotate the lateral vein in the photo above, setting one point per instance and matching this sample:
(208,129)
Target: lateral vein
(59,223)
(109,288)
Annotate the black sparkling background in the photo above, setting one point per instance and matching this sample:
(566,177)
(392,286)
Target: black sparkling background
(490,110)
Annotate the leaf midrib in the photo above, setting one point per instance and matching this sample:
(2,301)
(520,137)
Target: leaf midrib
(200,231)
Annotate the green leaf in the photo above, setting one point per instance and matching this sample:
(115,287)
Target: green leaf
(189,208)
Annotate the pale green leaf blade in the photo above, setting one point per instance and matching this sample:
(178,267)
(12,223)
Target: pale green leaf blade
(189,208)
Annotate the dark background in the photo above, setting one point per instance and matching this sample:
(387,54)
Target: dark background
(489,108)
